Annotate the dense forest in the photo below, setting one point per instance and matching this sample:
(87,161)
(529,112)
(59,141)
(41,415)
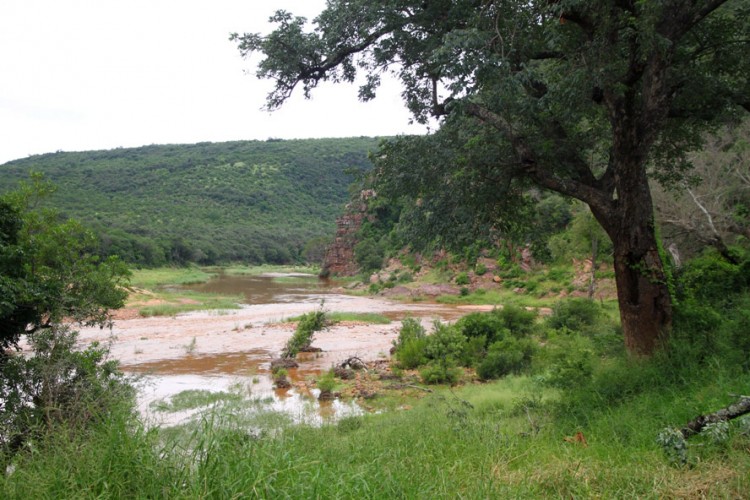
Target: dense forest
(270,201)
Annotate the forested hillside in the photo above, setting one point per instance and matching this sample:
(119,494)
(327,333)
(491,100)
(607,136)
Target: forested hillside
(253,201)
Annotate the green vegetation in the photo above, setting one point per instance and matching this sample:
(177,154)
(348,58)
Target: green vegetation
(150,278)
(50,282)
(170,303)
(247,201)
(566,413)
(302,338)
(241,270)
(193,398)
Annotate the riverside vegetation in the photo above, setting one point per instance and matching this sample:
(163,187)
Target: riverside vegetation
(563,411)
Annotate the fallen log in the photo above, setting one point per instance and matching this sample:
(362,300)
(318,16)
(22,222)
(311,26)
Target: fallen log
(737,409)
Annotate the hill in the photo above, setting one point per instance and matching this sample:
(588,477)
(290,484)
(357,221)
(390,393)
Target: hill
(252,201)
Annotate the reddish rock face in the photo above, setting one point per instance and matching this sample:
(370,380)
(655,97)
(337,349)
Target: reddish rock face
(339,259)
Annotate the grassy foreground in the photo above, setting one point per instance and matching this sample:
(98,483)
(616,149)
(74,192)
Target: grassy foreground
(508,439)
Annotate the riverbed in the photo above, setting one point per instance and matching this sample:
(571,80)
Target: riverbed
(231,350)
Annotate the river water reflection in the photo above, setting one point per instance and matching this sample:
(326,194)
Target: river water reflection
(239,373)
(269,288)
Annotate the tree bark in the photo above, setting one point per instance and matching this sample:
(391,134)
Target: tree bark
(642,289)
(737,409)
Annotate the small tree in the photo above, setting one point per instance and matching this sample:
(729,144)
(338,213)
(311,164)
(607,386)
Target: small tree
(49,271)
(49,276)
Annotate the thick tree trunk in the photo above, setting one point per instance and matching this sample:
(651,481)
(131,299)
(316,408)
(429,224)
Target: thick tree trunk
(642,289)
(643,295)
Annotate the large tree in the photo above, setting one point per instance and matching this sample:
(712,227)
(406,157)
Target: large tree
(584,98)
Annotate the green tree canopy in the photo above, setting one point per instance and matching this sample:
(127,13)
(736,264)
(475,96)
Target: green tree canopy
(587,99)
(48,272)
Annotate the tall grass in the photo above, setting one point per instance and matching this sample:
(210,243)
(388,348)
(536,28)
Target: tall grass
(237,269)
(150,278)
(499,440)
(176,302)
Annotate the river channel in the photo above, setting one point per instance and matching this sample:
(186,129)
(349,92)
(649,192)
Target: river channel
(228,352)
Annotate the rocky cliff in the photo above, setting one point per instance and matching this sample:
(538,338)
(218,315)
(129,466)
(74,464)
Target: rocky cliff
(339,258)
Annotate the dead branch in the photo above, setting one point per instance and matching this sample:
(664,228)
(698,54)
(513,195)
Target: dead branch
(737,409)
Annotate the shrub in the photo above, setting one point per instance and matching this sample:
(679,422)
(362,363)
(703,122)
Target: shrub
(445,345)
(480,269)
(410,329)
(411,353)
(568,360)
(308,324)
(517,320)
(57,386)
(575,314)
(369,255)
(436,374)
(474,351)
(410,344)
(326,382)
(695,328)
(506,356)
(490,326)
(462,279)
(710,278)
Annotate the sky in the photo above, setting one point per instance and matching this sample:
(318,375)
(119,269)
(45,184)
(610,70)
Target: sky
(80,75)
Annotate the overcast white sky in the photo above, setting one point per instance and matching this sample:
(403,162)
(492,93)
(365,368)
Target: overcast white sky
(98,74)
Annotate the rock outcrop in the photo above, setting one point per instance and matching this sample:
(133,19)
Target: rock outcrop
(339,258)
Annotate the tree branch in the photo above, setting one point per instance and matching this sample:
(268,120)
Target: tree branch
(528,163)
(737,409)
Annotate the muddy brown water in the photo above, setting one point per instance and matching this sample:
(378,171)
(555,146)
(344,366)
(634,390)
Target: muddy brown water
(226,350)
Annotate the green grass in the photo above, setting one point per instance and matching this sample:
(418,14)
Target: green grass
(496,297)
(151,278)
(336,317)
(240,270)
(187,301)
(373,318)
(499,440)
(193,398)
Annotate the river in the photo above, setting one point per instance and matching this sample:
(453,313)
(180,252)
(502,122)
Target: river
(229,352)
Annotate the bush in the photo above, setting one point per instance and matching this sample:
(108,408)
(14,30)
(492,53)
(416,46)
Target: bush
(411,353)
(302,339)
(444,348)
(410,344)
(575,314)
(327,382)
(445,345)
(437,374)
(506,356)
(517,320)
(568,360)
(474,351)
(462,279)
(480,269)
(57,386)
(695,328)
(369,255)
(710,278)
(489,326)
